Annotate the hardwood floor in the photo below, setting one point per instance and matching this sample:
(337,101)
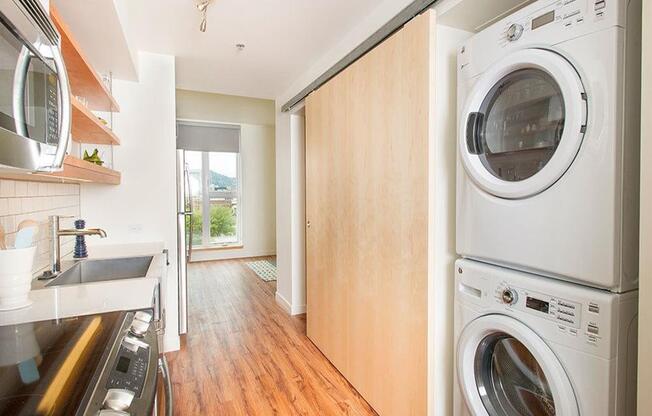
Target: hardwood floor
(244,355)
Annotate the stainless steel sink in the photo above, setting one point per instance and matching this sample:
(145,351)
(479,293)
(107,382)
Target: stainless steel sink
(88,271)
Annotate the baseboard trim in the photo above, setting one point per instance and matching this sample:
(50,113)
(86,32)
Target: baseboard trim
(171,342)
(283,303)
(288,307)
(298,310)
(229,254)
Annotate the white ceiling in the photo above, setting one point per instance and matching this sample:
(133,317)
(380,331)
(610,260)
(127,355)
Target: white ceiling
(282,37)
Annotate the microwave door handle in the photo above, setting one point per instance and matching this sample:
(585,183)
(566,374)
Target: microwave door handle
(65,107)
(20,83)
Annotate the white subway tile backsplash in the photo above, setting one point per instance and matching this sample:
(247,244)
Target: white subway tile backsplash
(32,188)
(14,206)
(21,188)
(7,189)
(20,200)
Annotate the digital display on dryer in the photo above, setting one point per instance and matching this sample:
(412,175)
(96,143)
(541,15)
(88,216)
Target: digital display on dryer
(543,20)
(537,304)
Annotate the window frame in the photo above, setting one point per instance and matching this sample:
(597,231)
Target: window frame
(205,168)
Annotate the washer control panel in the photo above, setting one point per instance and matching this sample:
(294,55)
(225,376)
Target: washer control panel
(561,311)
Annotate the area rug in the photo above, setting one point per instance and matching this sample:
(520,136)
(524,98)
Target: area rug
(265,269)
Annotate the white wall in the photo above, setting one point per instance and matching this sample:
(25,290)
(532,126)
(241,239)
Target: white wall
(441,240)
(645,266)
(298,201)
(284,257)
(143,207)
(199,105)
(257,157)
(291,289)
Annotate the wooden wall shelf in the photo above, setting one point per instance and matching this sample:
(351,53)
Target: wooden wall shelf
(84,80)
(74,171)
(79,170)
(87,128)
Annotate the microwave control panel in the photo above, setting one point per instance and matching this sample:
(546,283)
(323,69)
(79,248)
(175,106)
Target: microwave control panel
(52,109)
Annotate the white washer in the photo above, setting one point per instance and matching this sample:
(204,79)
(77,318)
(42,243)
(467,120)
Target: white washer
(528,345)
(549,142)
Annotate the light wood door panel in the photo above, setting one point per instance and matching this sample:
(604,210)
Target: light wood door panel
(367,204)
(326,290)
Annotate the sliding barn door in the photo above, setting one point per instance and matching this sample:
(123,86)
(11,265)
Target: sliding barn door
(366,210)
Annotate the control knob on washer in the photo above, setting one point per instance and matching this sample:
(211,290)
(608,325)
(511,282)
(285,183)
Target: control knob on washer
(509,296)
(514,32)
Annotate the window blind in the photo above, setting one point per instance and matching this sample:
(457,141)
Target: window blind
(208,137)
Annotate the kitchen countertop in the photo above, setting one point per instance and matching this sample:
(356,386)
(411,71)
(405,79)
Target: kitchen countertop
(97,297)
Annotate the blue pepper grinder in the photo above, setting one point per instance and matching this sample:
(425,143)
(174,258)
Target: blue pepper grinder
(81,252)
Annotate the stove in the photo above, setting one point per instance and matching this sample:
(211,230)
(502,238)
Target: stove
(104,364)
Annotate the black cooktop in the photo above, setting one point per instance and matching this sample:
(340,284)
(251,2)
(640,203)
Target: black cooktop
(46,367)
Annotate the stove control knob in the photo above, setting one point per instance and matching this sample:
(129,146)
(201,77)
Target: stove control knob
(143,316)
(111,412)
(514,32)
(118,399)
(133,344)
(138,328)
(509,296)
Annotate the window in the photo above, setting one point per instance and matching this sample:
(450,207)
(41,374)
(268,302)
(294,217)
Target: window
(215,188)
(213,163)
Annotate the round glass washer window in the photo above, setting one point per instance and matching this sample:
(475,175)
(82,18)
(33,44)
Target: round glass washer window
(510,380)
(522,126)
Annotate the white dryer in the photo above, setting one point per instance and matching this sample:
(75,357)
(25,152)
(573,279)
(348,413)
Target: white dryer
(528,345)
(549,142)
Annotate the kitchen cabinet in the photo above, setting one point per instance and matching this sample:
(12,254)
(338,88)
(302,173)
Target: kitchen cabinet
(367,208)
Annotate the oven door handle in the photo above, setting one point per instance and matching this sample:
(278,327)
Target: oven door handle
(20,82)
(165,373)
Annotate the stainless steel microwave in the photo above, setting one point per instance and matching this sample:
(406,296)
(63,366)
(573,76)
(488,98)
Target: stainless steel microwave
(35,111)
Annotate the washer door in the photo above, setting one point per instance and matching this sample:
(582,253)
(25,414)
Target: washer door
(505,369)
(523,124)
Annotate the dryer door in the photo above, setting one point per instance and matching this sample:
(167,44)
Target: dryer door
(523,124)
(505,369)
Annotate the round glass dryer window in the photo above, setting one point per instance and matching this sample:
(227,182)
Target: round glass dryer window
(510,380)
(522,124)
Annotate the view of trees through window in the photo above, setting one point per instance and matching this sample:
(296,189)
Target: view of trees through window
(215,189)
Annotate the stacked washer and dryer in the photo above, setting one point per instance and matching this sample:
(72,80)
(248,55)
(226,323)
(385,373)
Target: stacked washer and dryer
(547,212)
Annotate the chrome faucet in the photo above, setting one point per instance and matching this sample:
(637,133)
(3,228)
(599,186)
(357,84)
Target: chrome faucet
(55,243)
